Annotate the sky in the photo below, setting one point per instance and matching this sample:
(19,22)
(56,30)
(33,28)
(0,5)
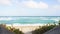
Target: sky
(29,7)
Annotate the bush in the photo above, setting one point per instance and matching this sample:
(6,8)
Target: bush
(16,31)
(43,29)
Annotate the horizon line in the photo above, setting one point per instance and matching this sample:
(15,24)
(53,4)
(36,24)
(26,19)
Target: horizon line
(29,16)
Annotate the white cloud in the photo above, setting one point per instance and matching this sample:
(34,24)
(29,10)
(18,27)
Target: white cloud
(57,7)
(5,2)
(54,9)
(32,4)
(58,0)
(42,5)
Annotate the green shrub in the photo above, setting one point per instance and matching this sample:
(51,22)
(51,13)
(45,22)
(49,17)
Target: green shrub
(43,29)
(16,31)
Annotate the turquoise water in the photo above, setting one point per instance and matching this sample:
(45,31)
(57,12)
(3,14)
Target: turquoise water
(29,19)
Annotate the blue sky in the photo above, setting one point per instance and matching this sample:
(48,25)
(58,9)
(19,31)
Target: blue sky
(29,7)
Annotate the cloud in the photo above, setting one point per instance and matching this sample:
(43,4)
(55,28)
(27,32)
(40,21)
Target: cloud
(54,9)
(5,2)
(33,4)
(29,8)
(58,0)
(57,7)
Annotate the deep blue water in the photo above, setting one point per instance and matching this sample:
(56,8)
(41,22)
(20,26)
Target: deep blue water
(29,19)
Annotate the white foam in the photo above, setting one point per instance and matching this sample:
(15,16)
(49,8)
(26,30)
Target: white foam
(17,24)
(5,18)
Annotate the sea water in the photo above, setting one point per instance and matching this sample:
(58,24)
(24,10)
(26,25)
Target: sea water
(29,19)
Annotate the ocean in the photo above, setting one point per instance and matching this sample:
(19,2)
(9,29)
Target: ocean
(29,19)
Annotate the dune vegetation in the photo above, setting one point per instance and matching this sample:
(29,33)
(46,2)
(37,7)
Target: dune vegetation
(45,28)
(41,30)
